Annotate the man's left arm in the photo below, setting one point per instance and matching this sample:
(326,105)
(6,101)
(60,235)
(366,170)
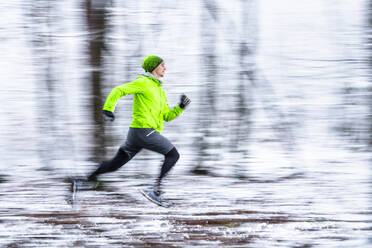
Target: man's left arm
(171,114)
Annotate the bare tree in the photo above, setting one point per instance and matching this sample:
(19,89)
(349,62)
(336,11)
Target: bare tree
(207,113)
(96,15)
(41,31)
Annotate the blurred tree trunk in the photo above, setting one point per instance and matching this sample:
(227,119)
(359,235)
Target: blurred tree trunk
(207,113)
(246,78)
(96,16)
(370,63)
(43,55)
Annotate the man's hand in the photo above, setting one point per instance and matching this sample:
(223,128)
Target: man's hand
(108,116)
(184,101)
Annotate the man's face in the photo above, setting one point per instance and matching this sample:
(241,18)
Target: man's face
(160,70)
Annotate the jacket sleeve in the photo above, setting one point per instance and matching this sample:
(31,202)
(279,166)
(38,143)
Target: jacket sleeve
(120,91)
(171,114)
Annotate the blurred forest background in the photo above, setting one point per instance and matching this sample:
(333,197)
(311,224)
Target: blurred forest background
(280,91)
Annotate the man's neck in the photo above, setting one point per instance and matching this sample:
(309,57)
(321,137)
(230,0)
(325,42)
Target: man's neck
(155,75)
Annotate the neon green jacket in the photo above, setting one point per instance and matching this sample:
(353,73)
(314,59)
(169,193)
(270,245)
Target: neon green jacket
(150,108)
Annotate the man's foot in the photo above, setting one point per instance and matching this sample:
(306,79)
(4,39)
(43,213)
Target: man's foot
(82,183)
(92,178)
(153,196)
(75,184)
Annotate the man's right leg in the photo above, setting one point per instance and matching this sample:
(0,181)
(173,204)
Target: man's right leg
(121,158)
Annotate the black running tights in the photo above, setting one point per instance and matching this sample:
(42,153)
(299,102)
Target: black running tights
(122,158)
(170,160)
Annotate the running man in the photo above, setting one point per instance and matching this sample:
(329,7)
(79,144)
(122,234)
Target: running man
(150,110)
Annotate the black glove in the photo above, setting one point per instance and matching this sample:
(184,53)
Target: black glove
(184,101)
(108,116)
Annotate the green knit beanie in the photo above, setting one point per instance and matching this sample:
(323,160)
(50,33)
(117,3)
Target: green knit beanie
(151,62)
